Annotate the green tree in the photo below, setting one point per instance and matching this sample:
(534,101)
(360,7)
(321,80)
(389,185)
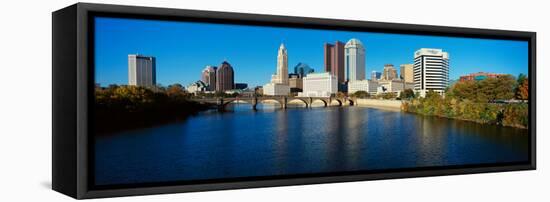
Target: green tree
(407,94)
(360,94)
(175,90)
(390,95)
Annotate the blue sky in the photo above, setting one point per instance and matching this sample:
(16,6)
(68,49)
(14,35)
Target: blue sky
(183,49)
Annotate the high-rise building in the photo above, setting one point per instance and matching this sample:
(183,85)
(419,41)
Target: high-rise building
(303,69)
(141,70)
(390,73)
(282,67)
(208,76)
(407,73)
(319,85)
(355,60)
(375,75)
(225,77)
(334,60)
(279,82)
(480,76)
(431,71)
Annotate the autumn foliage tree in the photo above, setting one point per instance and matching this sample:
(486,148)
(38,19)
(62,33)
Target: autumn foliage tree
(522,91)
(476,101)
(127,107)
(487,90)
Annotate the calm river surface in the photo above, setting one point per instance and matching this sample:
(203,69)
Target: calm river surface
(242,143)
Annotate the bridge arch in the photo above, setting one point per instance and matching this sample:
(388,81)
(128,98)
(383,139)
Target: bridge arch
(298,99)
(325,103)
(350,102)
(269,100)
(340,103)
(225,103)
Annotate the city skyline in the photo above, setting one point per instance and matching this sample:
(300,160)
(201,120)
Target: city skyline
(184,49)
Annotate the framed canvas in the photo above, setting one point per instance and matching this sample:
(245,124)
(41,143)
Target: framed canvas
(156,100)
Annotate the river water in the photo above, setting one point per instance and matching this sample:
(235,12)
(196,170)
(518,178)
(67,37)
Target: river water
(271,141)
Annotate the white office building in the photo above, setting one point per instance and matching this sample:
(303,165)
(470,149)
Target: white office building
(393,86)
(431,71)
(276,89)
(141,70)
(319,85)
(354,61)
(368,86)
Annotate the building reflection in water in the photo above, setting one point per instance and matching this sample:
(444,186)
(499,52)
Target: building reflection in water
(272,141)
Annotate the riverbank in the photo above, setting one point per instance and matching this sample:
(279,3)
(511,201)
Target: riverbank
(129,107)
(394,105)
(510,115)
(504,114)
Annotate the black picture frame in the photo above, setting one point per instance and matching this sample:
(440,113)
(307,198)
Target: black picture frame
(73,85)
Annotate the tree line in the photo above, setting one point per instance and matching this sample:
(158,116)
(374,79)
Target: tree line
(500,101)
(127,107)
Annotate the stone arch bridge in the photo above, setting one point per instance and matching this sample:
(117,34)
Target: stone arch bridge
(281,100)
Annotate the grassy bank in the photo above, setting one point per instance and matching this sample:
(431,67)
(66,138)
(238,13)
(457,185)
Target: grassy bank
(511,114)
(120,108)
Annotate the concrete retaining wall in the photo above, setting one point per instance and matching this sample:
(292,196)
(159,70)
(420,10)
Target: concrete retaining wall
(390,104)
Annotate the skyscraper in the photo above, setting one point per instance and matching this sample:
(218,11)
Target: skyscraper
(279,81)
(355,60)
(302,69)
(282,67)
(431,70)
(208,76)
(390,73)
(141,70)
(225,78)
(406,73)
(334,60)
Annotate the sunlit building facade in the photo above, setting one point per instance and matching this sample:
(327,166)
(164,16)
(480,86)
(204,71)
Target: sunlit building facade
(295,83)
(225,77)
(208,76)
(334,60)
(279,81)
(142,70)
(390,73)
(393,86)
(355,60)
(431,71)
(319,85)
(407,73)
(368,86)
